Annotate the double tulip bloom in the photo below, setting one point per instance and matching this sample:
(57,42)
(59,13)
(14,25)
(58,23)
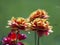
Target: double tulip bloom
(19,23)
(39,22)
(41,26)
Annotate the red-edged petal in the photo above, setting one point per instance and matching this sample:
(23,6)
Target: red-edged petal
(21,36)
(46,32)
(40,33)
(12,35)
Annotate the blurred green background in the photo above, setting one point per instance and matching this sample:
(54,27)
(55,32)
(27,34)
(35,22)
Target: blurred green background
(23,8)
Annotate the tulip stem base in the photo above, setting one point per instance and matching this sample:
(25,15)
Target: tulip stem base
(35,38)
(38,40)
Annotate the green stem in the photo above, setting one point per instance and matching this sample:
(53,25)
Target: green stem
(16,37)
(38,41)
(35,38)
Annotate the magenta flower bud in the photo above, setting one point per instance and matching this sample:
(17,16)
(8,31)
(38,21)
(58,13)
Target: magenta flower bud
(6,40)
(21,36)
(24,36)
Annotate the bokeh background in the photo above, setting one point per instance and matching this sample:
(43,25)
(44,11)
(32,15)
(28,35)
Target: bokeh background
(17,8)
